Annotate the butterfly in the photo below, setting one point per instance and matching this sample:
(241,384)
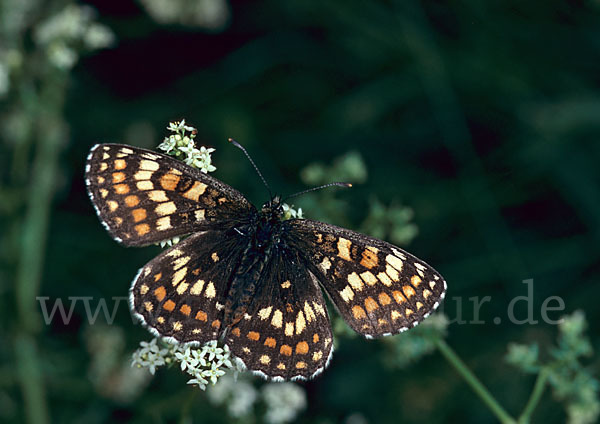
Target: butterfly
(245,275)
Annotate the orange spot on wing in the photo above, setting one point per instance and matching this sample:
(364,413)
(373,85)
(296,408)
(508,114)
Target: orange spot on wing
(139,214)
(132,201)
(358,312)
(216,324)
(169,305)
(157,276)
(201,316)
(120,164)
(185,310)
(160,293)
(369,259)
(122,189)
(370,304)
(315,338)
(236,332)
(195,192)
(270,342)
(142,229)
(253,335)
(285,350)
(398,297)
(169,181)
(118,177)
(384,299)
(302,348)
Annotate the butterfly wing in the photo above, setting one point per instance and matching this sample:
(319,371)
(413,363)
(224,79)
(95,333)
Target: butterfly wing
(378,288)
(286,332)
(143,197)
(182,292)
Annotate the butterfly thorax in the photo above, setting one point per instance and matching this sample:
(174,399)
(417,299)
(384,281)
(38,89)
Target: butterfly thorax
(261,235)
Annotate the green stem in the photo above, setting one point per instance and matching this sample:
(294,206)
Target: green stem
(475,384)
(50,136)
(536,396)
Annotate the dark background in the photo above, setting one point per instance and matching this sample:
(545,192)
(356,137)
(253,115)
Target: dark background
(483,117)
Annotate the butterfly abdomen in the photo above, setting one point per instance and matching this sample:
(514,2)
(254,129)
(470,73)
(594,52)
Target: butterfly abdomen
(261,237)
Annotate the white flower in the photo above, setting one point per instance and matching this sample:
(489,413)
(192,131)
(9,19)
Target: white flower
(154,360)
(150,346)
(224,357)
(198,355)
(198,381)
(168,144)
(213,373)
(169,242)
(180,127)
(212,349)
(98,36)
(284,402)
(186,359)
(289,212)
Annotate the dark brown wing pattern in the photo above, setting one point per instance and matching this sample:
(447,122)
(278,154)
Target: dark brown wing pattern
(181,293)
(143,197)
(286,334)
(378,288)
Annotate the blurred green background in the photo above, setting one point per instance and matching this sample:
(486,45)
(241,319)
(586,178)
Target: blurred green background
(475,123)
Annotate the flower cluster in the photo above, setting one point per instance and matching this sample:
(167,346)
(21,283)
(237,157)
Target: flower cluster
(281,402)
(69,31)
(572,383)
(181,145)
(205,364)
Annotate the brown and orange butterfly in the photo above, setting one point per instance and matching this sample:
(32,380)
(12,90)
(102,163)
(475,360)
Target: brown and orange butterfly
(246,276)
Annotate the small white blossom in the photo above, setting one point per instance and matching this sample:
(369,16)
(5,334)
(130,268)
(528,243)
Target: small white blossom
(179,126)
(150,346)
(199,381)
(98,37)
(238,396)
(289,212)
(154,360)
(186,359)
(212,349)
(213,373)
(168,144)
(169,242)
(284,402)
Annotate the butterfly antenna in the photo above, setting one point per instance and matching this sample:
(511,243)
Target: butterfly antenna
(239,146)
(338,184)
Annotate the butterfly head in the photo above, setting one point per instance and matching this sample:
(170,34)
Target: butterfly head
(273,208)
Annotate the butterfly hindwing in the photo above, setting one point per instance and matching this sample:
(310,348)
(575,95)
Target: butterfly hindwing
(286,333)
(182,292)
(378,288)
(143,197)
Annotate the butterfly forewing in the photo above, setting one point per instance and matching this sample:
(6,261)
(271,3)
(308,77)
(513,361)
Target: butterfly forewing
(378,288)
(181,293)
(143,197)
(286,334)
